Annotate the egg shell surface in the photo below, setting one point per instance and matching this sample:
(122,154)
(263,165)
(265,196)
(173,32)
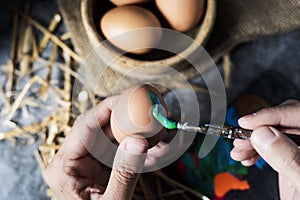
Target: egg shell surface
(126,2)
(182,15)
(132,114)
(127,27)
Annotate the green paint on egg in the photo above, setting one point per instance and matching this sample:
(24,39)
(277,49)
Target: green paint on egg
(158,112)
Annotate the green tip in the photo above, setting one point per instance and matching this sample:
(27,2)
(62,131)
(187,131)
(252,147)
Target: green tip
(159,112)
(163,120)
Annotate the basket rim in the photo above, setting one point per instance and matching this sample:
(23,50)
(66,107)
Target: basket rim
(124,64)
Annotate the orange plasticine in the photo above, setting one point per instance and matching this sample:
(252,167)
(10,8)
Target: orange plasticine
(224,182)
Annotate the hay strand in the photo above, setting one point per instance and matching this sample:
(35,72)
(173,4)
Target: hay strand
(159,191)
(30,129)
(227,69)
(173,182)
(83,101)
(146,189)
(26,50)
(44,90)
(11,62)
(65,36)
(21,96)
(39,159)
(35,50)
(51,28)
(22,31)
(67,86)
(51,36)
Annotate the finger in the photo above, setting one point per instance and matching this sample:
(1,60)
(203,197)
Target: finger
(160,149)
(289,101)
(87,132)
(286,115)
(251,161)
(150,161)
(99,115)
(70,187)
(51,175)
(96,192)
(154,153)
(287,189)
(128,164)
(278,151)
(293,131)
(242,144)
(240,155)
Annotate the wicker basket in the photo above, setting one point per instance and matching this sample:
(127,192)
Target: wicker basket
(155,64)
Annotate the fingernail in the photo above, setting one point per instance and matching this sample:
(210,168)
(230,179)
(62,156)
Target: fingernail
(133,145)
(245,119)
(264,137)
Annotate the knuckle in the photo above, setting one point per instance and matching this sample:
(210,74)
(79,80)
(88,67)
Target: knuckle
(62,177)
(69,168)
(256,134)
(269,115)
(236,154)
(125,176)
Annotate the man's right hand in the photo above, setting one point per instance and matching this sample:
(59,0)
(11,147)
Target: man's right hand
(282,154)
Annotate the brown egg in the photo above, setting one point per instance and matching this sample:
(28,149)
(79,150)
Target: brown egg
(132,114)
(126,2)
(182,15)
(127,18)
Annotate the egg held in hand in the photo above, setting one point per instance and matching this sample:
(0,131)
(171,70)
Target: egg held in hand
(130,28)
(132,115)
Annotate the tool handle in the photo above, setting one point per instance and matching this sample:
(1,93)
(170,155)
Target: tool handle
(240,133)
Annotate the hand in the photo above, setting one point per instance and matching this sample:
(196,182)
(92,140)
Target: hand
(276,149)
(75,173)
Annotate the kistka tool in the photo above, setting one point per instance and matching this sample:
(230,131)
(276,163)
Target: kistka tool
(229,132)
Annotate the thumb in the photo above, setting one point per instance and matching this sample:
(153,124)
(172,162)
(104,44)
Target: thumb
(128,164)
(278,151)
